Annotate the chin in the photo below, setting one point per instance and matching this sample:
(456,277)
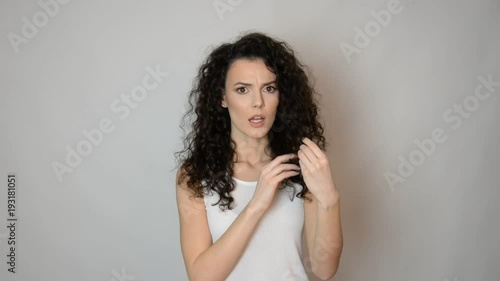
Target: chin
(262,134)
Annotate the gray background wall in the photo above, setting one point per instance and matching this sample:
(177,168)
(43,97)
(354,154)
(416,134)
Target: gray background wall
(413,137)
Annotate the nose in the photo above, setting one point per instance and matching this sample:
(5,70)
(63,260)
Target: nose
(258,100)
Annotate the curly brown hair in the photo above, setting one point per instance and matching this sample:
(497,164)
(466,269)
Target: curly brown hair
(207,157)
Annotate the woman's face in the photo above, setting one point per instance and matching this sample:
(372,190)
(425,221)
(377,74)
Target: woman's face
(250,89)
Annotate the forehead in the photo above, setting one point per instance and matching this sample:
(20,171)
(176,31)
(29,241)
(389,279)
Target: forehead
(249,69)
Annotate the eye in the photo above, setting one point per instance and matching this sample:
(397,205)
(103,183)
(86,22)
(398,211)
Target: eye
(241,90)
(271,89)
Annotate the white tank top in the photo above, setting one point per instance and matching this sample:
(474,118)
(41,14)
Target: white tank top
(275,249)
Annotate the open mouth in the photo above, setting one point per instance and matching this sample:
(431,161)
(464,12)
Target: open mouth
(256,121)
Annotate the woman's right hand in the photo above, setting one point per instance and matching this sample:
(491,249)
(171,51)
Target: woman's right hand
(270,178)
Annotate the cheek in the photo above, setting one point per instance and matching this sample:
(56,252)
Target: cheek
(276,100)
(237,113)
(274,103)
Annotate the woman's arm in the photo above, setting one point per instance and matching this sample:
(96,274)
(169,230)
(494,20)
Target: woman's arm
(323,234)
(206,261)
(323,229)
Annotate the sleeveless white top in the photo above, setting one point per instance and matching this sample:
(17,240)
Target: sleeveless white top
(275,249)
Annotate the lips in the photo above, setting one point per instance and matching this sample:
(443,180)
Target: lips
(257,117)
(257,120)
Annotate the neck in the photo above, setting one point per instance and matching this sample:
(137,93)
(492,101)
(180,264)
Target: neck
(254,153)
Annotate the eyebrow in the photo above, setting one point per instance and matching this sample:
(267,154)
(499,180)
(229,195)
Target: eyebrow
(249,84)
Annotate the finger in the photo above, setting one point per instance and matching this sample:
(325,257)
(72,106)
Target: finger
(278,161)
(287,167)
(286,174)
(305,154)
(283,168)
(305,165)
(313,147)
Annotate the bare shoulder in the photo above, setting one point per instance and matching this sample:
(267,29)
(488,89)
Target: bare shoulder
(185,195)
(194,230)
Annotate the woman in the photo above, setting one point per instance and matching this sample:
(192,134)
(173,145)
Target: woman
(253,176)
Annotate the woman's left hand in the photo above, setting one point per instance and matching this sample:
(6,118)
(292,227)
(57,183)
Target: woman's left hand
(316,172)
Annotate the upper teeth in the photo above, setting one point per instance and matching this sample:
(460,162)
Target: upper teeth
(257,118)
